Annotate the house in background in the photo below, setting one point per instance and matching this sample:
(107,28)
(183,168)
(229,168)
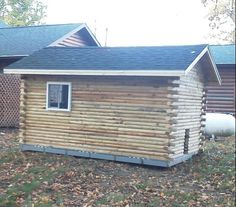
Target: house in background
(221,98)
(140,105)
(19,42)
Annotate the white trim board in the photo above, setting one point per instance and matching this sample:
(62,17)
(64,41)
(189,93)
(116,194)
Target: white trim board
(13,56)
(175,73)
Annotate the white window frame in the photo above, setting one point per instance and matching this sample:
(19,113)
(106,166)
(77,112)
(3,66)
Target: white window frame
(69,96)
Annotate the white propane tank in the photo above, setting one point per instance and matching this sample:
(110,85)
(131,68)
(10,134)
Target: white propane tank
(220,124)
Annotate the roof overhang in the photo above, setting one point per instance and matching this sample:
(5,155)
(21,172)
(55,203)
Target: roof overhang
(12,56)
(173,73)
(215,70)
(212,65)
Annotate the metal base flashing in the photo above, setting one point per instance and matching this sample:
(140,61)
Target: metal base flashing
(78,153)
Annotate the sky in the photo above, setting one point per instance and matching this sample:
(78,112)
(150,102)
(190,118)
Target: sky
(135,22)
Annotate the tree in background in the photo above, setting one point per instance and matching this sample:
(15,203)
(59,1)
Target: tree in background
(22,12)
(222,19)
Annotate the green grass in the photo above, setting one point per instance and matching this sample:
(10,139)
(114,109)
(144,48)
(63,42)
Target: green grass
(45,180)
(24,184)
(218,165)
(141,186)
(111,198)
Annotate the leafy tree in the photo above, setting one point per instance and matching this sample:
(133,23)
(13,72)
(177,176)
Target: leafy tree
(22,12)
(222,19)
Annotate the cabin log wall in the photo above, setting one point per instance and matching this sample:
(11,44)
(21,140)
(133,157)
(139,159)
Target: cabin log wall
(22,120)
(127,116)
(189,110)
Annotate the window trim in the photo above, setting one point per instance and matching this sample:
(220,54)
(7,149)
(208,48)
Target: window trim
(69,95)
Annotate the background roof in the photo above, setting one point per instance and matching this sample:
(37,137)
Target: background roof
(2,24)
(117,58)
(223,54)
(23,41)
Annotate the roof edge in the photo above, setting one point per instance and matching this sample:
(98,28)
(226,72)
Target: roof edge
(205,51)
(13,56)
(170,73)
(40,25)
(217,74)
(190,67)
(92,35)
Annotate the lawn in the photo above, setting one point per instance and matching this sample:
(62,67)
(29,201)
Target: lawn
(44,180)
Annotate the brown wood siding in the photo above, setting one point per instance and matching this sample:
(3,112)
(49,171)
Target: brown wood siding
(9,100)
(188,103)
(112,115)
(222,98)
(74,40)
(79,39)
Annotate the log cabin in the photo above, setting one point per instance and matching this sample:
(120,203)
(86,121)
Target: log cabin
(141,105)
(19,42)
(221,98)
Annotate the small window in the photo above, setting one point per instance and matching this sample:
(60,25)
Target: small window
(58,96)
(186,140)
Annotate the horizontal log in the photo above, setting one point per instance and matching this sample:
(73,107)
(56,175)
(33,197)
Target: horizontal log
(97,142)
(94,122)
(135,105)
(105,150)
(101,122)
(84,135)
(134,95)
(102,126)
(78,127)
(102,117)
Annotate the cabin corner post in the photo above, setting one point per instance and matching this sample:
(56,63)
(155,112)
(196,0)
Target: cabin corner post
(203,118)
(188,113)
(22,108)
(172,113)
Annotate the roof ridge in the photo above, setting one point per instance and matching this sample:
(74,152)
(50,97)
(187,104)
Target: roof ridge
(42,25)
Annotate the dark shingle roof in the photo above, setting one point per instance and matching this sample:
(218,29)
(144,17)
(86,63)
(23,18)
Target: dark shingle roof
(116,58)
(23,41)
(223,54)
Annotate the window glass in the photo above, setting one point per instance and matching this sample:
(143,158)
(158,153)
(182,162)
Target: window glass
(64,97)
(58,96)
